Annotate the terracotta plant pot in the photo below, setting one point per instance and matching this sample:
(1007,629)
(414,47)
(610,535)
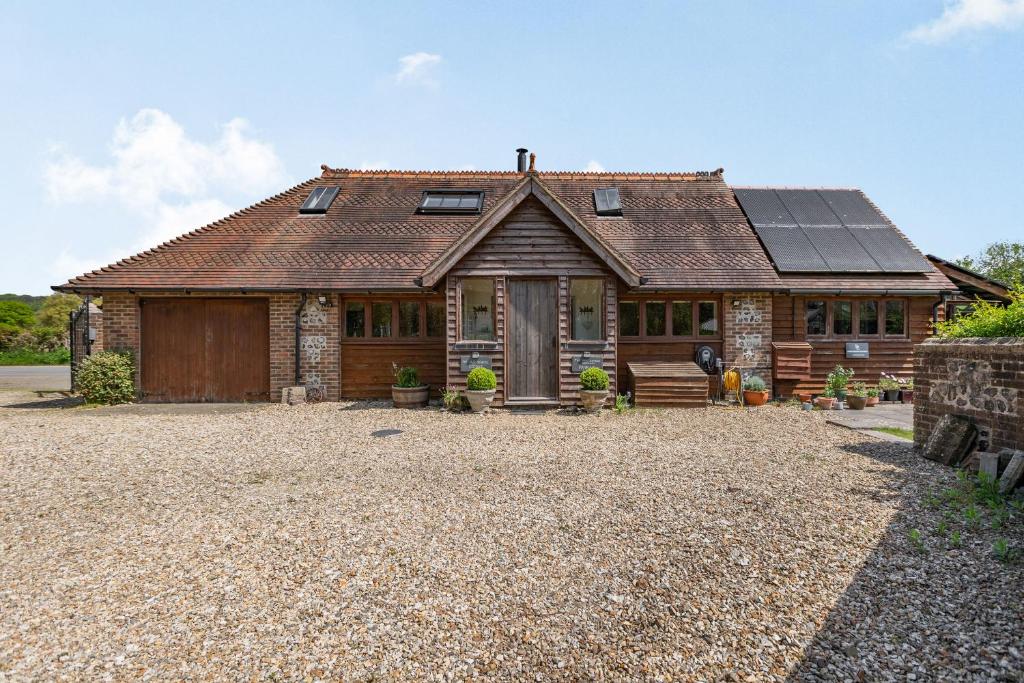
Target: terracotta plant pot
(857,402)
(755,398)
(872,401)
(480,401)
(825,402)
(805,396)
(907,395)
(412,397)
(593,401)
(892,394)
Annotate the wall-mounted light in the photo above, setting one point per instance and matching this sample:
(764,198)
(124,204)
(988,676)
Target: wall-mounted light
(735,303)
(323,301)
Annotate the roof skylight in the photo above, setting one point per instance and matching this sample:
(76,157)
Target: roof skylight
(607,202)
(451,201)
(319,200)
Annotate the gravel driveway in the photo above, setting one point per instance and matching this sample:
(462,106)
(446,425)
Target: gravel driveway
(292,543)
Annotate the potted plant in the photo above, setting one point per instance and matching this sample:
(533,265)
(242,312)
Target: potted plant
(480,386)
(755,392)
(858,397)
(407,392)
(805,396)
(451,399)
(872,397)
(907,391)
(827,400)
(838,379)
(889,386)
(593,389)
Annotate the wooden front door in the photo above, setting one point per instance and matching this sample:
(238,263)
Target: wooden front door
(532,334)
(197,350)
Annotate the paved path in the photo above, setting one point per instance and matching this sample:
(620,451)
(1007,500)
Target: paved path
(882,415)
(36,377)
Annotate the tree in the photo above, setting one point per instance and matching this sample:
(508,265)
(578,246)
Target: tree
(16,314)
(1002,261)
(54,311)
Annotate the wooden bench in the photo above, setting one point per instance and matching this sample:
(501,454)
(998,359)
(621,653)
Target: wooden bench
(667,384)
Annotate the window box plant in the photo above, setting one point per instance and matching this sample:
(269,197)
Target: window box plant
(407,391)
(838,380)
(858,397)
(872,397)
(593,389)
(889,386)
(755,392)
(480,386)
(827,401)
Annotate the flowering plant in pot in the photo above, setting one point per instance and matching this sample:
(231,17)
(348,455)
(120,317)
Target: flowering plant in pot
(593,389)
(907,391)
(407,391)
(480,386)
(872,397)
(858,397)
(755,392)
(890,386)
(838,380)
(827,400)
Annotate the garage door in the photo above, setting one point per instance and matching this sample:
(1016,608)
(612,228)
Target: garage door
(195,350)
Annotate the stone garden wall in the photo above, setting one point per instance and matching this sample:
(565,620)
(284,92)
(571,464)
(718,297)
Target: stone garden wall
(747,333)
(981,379)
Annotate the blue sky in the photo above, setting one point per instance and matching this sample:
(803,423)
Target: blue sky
(125,124)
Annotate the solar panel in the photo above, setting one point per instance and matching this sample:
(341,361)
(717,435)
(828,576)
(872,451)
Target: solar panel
(607,202)
(808,208)
(764,207)
(319,200)
(790,249)
(852,207)
(892,252)
(841,250)
(451,201)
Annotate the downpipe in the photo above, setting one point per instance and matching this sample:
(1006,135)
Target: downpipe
(298,342)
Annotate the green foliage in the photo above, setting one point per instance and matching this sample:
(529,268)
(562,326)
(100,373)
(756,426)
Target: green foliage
(954,539)
(888,383)
(989,319)
(407,378)
(481,379)
(754,383)
(17,314)
(1003,551)
(839,378)
(872,393)
(860,389)
(1001,261)
(33,302)
(901,432)
(451,399)
(622,403)
(24,356)
(594,379)
(108,378)
(55,309)
(916,540)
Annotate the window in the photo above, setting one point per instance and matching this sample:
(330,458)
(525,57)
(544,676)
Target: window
(895,318)
(654,312)
(867,317)
(816,318)
(607,203)
(409,319)
(842,318)
(451,201)
(319,200)
(707,318)
(478,309)
(629,319)
(355,319)
(436,319)
(585,303)
(381,313)
(682,318)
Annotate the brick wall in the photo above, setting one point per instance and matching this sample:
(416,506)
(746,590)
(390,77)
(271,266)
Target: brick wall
(982,379)
(747,334)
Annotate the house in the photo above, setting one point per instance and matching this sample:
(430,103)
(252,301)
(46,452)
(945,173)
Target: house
(534,274)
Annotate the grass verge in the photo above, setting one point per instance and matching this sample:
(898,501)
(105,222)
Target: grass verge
(902,433)
(28,357)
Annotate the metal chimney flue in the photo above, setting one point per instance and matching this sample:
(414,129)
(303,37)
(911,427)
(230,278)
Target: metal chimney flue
(521,160)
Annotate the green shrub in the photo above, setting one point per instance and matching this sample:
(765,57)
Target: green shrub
(108,378)
(8,334)
(407,378)
(839,378)
(754,383)
(989,320)
(622,403)
(594,379)
(17,314)
(481,379)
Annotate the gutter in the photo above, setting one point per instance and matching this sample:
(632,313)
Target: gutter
(869,292)
(298,343)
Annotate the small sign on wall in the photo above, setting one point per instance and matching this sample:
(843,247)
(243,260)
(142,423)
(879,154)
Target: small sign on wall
(582,361)
(475,360)
(857,350)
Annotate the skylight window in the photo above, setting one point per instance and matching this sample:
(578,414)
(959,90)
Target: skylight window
(319,200)
(451,201)
(607,203)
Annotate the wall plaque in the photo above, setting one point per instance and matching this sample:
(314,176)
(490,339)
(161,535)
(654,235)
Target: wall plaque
(857,350)
(582,361)
(475,360)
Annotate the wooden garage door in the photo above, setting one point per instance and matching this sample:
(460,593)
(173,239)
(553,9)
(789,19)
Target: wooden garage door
(196,350)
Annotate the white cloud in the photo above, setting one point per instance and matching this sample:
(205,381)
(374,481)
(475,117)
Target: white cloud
(594,167)
(418,69)
(962,16)
(169,182)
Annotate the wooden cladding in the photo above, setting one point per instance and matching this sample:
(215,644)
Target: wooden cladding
(205,350)
(791,360)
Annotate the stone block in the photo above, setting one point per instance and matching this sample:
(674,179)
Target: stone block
(951,440)
(293,395)
(988,463)
(1013,473)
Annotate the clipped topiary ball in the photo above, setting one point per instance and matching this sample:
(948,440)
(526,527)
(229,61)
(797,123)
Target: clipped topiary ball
(594,379)
(481,379)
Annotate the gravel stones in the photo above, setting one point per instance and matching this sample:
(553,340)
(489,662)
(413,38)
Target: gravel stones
(290,542)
